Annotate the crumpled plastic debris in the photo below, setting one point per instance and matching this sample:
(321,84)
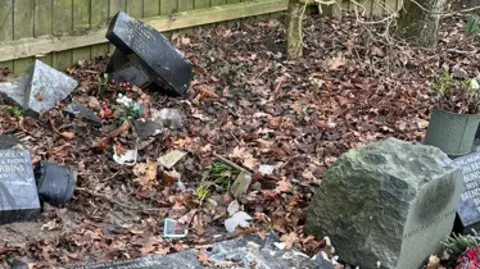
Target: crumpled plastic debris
(267,169)
(173,229)
(233,208)
(171,118)
(129,157)
(238,219)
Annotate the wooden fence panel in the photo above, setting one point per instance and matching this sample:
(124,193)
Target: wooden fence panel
(201,3)
(184,5)
(151,8)
(98,18)
(67,25)
(218,2)
(81,22)
(114,7)
(62,25)
(6,23)
(43,24)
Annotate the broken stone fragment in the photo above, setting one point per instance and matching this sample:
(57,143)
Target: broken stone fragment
(238,219)
(171,118)
(170,159)
(40,89)
(55,183)
(322,261)
(241,184)
(146,128)
(8,141)
(79,110)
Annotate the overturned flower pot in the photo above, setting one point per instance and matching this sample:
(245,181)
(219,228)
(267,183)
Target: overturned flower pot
(452,133)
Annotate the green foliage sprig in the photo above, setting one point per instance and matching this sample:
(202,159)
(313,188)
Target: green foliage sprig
(456,96)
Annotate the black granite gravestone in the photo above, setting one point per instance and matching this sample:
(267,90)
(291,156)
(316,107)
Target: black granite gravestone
(150,52)
(121,69)
(468,211)
(18,192)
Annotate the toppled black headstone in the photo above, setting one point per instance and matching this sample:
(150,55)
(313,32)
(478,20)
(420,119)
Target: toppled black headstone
(468,211)
(149,51)
(40,89)
(79,110)
(242,252)
(8,141)
(55,183)
(121,69)
(18,193)
(398,203)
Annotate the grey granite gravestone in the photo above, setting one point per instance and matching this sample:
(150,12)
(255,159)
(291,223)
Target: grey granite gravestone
(18,192)
(391,202)
(468,210)
(40,89)
(242,252)
(149,51)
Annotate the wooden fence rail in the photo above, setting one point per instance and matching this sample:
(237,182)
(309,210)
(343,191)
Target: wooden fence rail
(61,32)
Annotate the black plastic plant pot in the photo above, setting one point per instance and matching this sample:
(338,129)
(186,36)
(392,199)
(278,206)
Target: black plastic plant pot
(453,133)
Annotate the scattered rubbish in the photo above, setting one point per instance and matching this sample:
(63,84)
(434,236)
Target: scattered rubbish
(55,183)
(170,117)
(40,89)
(79,110)
(170,159)
(173,229)
(233,208)
(241,184)
(266,169)
(238,219)
(280,245)
(146,128)
(164,65)
(476,83)
(129,157)
(17,264)
(8,141)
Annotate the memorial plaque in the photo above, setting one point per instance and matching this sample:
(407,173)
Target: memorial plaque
(150,51)
(468,210)
(18,191)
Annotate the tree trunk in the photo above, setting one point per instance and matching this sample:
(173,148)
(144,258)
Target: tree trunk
(418,26)
(294,30)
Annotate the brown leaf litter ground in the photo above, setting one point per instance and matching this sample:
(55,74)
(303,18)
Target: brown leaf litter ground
(247,103)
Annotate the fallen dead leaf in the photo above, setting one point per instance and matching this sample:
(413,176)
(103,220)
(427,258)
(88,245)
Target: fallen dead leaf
(337,61)
(203,258)
(282,186)
(289,239)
